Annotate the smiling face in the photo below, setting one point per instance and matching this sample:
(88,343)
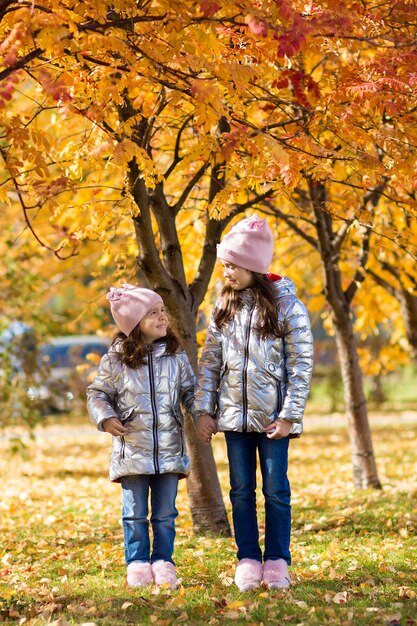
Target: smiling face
(237,277)
(154,325)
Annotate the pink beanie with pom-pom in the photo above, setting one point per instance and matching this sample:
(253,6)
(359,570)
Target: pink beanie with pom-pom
(130,304)
(249,244)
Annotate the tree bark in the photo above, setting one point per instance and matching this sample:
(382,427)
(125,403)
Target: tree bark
(408,304)
(365,473)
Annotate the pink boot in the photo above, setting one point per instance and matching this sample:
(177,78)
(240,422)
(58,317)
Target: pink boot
(164,573)
(248,574)
(139,574)
(276,574)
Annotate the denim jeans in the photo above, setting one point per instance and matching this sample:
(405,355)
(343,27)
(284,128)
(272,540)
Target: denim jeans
(273,456)
(135,496)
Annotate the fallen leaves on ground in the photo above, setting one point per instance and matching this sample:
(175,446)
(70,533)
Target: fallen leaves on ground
(61,558)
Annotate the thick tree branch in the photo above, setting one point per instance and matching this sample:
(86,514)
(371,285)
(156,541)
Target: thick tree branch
(148,257)
(360,273)
(170,244)
(21,63)
(177,158)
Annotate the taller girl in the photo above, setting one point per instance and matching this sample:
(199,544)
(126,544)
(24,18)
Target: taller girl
(254,380)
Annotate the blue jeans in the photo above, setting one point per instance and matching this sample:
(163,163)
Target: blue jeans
(273,456)
(135,496)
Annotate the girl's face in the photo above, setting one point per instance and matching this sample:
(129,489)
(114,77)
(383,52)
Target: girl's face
(237,277)
(154,325)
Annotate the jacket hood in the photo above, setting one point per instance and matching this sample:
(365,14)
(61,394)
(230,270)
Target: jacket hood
(158,348)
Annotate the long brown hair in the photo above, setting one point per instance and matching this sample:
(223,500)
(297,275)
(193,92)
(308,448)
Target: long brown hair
(264,300)
(132,350)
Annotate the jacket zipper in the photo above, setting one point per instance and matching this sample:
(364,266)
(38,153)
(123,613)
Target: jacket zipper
(122,449)
(154,413)
(279,398)
(245,374)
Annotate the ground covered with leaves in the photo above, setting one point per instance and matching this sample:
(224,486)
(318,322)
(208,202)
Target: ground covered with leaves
(354,553)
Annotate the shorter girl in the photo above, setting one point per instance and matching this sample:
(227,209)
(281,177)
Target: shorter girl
(136,397)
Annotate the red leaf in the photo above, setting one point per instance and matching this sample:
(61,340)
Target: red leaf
(209,7)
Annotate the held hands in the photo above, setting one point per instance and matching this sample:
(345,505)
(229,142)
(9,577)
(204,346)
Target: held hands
(206,427)
(278,429)
(115,427)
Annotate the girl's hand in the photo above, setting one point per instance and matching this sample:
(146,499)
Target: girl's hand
(115,427)
(278,429)
(206,427)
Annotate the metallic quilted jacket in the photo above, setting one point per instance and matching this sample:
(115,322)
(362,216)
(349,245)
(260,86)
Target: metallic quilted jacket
(247,382)
(147,400)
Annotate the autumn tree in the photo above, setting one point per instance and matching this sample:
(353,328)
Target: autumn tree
(201,111)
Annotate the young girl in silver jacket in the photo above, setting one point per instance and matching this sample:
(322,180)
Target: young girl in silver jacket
(254,380)
(136,397)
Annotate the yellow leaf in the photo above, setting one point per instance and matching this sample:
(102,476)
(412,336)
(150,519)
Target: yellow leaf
(236,604)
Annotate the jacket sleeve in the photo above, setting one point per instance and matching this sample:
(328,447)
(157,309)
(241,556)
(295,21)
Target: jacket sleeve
(298,351)
(101,394)
(188,382)
(209,373)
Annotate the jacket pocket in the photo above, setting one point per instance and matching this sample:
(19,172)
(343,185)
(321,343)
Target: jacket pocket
(179,422)
(126,416)
(278,374)
(223,371)
(275,370)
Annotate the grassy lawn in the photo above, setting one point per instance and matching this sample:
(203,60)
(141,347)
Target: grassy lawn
(354,553)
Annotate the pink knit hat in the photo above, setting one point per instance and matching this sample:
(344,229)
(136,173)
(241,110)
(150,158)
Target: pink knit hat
(130,304)
(249,244)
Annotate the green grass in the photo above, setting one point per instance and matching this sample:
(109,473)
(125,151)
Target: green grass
(354,553)
(399,389)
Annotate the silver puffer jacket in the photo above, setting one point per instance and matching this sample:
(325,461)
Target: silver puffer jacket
(247,382)
(147,400)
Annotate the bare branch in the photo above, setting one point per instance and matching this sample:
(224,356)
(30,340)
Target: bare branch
(16,185)
(290,222)
(189,187)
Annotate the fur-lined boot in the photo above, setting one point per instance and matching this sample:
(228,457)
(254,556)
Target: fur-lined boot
(164,573)
(276,574)
(139,574)
(248,574)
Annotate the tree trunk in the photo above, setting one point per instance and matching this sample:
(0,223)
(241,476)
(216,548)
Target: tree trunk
(408,304)
(364,467)
(329,243)
(204,494)
(168,279)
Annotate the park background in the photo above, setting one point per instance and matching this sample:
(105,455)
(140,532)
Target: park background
(132,136)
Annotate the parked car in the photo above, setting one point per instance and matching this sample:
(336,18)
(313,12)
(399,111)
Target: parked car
(71,362)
